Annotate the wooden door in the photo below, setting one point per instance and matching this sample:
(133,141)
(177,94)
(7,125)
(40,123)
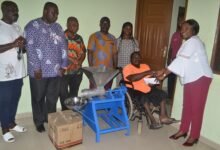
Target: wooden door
(152,29)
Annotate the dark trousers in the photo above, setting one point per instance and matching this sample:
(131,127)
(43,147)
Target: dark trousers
(69,87)
(171,85)
(44,96)
(155,96)
(10,92)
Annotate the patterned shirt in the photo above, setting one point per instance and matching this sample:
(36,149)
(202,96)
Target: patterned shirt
(103,47)
(76,49)
(125,48)
(46,48)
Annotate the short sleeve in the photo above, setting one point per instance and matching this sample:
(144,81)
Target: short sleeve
(136,45)
(114,49)
(91,43)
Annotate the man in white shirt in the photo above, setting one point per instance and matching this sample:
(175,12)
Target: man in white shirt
(11,69)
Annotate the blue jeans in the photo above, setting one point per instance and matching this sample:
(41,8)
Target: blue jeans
(10,92)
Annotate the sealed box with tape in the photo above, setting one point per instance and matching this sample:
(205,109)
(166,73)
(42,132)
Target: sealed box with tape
(65,128)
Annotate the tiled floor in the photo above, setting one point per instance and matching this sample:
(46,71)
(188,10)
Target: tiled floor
(148,140)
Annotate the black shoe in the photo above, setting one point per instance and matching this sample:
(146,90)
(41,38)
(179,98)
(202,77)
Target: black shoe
(176,136)
(191,143)
(40,128)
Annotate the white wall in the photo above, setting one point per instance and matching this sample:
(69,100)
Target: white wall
(206,13)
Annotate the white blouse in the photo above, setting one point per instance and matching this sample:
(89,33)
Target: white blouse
(191,62)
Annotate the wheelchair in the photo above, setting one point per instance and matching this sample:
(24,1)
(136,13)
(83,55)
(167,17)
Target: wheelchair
(135,110)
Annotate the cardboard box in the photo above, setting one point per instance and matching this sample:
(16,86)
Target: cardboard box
(65,128)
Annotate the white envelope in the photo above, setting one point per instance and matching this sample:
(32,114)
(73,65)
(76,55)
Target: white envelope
(151,81)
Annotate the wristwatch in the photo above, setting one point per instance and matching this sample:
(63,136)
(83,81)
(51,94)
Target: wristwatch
(164,75)
(153,73)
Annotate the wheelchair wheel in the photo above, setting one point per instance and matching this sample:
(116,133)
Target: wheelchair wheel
(129,105)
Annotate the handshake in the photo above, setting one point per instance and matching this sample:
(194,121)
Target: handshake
(160,74)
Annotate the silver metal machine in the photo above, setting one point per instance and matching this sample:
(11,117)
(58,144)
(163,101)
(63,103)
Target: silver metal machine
(99,77)
(98,106)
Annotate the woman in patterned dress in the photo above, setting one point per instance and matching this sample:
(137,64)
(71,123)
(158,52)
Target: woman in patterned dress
(126,44)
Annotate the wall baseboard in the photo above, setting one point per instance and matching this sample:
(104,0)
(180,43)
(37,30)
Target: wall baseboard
(176,125)
(28,114)
(203,139)
(23,115)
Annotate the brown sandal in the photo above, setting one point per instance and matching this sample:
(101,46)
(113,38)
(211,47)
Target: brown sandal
(168,121)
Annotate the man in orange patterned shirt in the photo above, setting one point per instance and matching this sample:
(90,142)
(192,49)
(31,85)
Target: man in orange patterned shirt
(102,48)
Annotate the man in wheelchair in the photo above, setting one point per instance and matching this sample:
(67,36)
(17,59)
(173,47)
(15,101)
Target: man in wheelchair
(143,93)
